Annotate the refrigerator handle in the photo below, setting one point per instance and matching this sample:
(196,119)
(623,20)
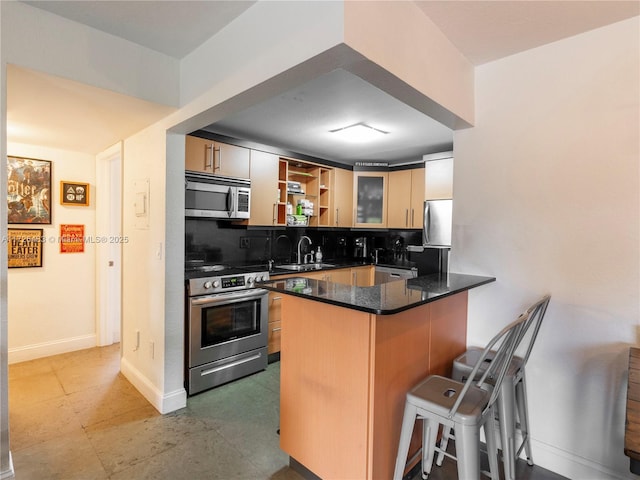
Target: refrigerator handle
(427,223)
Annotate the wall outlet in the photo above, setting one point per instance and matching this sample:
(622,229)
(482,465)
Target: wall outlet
(244,242)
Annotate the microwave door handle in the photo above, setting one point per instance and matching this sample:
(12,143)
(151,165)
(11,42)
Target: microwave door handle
(230,206)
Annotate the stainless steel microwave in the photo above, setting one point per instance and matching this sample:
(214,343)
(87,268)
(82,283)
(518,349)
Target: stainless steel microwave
(216,196)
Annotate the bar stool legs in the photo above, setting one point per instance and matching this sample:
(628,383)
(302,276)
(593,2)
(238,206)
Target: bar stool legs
(464,407)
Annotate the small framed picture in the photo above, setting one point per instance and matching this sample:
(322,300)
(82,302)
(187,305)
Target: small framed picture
(74,193)
(24,247)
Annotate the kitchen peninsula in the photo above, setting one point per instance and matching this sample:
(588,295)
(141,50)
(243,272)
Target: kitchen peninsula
(350,354)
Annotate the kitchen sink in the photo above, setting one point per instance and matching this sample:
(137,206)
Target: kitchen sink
(303,267)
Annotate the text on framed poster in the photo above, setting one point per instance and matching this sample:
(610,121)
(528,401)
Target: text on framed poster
(24,247)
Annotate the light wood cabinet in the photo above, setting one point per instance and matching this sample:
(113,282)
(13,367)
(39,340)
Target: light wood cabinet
(439,179)
(351,429)
(362,276)
(358,276)
(342,198)
(264,188)
(370,195)
(208,156)
(406,198)
(274,325)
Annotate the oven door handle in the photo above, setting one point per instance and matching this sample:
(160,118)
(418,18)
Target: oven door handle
(231,297)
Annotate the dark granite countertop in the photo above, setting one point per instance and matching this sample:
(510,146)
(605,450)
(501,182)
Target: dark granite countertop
(384,299)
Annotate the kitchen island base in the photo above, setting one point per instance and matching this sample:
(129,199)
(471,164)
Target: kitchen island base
(345,374)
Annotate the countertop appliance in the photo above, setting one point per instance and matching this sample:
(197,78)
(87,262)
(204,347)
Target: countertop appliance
(226,325)
(433,255)
(360,247)
(216,196)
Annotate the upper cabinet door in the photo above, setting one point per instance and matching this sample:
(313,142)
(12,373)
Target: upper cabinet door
(203,155)
(406,198)
(342,198)
(230,160)
(439,179)
(198,154)
(417,198)
(399,199)
(264,188)
(370,198)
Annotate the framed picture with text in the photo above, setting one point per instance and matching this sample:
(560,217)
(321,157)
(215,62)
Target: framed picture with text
(24,247)
(28,190)
(74,193)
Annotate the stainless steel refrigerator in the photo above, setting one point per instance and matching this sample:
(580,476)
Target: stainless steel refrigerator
(433,255)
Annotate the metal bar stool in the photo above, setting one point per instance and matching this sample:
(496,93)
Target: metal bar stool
(512,399)
(465,407)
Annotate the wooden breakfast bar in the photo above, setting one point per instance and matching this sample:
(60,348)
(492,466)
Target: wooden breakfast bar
(349,355)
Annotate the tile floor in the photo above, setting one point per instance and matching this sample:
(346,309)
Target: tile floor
(74,416)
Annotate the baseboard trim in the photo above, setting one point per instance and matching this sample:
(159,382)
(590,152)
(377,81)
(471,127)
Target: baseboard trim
(570,465)
(46,349)
(166,403)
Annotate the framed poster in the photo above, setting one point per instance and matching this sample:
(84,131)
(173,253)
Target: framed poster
(28,190)
(71,238)
(74,193)
(24,247)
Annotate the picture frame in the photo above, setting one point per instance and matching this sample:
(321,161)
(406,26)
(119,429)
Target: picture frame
(28,191)
(71,238)
(74,193)
(24,247)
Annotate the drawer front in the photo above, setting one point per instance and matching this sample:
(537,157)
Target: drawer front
(273,345)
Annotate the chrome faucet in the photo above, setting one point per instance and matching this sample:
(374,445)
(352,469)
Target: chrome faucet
(300,244)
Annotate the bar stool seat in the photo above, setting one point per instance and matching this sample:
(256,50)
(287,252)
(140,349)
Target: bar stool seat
(512,406)
(464,407)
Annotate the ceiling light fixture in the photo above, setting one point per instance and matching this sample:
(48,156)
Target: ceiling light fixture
(358,133)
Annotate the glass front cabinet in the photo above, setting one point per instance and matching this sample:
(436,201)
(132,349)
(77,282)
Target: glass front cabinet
(370,199)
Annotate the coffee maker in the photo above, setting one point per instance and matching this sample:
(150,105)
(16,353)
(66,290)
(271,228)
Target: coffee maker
(360,247)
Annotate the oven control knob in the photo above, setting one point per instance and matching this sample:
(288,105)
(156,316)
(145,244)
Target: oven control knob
(249,280)
(216,283)
(259,278)
(207,285)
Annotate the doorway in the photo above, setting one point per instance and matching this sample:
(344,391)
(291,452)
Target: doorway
(109,243)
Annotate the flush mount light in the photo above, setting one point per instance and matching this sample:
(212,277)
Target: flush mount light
(358,133)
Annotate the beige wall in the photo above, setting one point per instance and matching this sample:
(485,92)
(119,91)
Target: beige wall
(547,200)
(52,309)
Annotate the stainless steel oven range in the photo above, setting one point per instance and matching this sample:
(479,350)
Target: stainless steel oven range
(226,331)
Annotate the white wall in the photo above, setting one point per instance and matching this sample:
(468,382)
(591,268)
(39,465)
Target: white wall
(546,193)
(42,41)
(52,308)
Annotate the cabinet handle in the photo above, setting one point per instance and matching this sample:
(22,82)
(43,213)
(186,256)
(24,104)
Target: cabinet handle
(406,217)
(276,329)
(276,298)
(412,217)
(219,150)
(337,217)
(355,278)
(208,155)
(274,213)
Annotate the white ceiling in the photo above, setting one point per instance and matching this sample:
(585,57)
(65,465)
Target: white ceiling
(482,30)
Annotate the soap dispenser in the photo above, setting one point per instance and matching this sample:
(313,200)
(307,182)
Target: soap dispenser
(319,256)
